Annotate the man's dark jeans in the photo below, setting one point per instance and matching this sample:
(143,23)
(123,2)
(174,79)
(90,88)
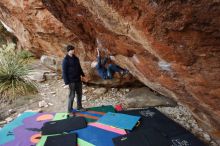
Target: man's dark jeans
(75,87)
(112,69)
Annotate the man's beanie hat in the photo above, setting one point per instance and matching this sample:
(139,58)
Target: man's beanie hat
(70,47)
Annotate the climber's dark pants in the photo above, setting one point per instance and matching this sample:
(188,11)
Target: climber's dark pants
(75,87)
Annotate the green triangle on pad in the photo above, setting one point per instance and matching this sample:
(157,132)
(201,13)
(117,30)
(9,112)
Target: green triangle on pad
(60,116)
(104,108)
(81,142)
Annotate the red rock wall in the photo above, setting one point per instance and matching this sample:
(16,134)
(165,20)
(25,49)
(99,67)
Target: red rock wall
(171,46)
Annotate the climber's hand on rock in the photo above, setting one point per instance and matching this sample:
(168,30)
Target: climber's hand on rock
(112,57)
(84,79)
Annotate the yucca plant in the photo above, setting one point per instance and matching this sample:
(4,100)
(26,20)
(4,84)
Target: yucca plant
(13,74)
(24,54)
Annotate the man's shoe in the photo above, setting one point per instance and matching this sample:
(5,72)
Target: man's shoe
(112,57)
(71,115)
(124,72)
(81,109)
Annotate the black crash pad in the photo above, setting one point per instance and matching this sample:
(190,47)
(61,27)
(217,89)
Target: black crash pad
(145,137)
(175,133)
(62,140)
(186,139)
(61,126)
(152,118)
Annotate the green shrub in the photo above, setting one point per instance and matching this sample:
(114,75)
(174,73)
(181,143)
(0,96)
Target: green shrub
(24,54)
(13,74)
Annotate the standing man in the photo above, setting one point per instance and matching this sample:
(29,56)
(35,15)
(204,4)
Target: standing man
(72,72)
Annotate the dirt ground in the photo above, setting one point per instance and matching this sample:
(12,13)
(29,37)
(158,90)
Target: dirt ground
(55,97)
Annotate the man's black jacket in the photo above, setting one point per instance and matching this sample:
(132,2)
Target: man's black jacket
(71,69)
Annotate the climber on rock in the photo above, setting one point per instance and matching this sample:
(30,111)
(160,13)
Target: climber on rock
(106,71)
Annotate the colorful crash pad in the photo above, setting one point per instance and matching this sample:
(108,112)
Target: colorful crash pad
(90,116)
(108,128)
(118,120)
(104,109)
(24,130)
(94,113)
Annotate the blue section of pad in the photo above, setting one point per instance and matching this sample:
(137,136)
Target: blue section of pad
(96,136)
(118,120)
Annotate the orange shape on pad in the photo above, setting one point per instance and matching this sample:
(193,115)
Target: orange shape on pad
(45,117)
(35,138)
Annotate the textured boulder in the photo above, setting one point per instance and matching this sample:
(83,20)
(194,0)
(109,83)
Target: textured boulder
(171,46)
(143,97)
(53,63)
(38,76)
(100,91)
